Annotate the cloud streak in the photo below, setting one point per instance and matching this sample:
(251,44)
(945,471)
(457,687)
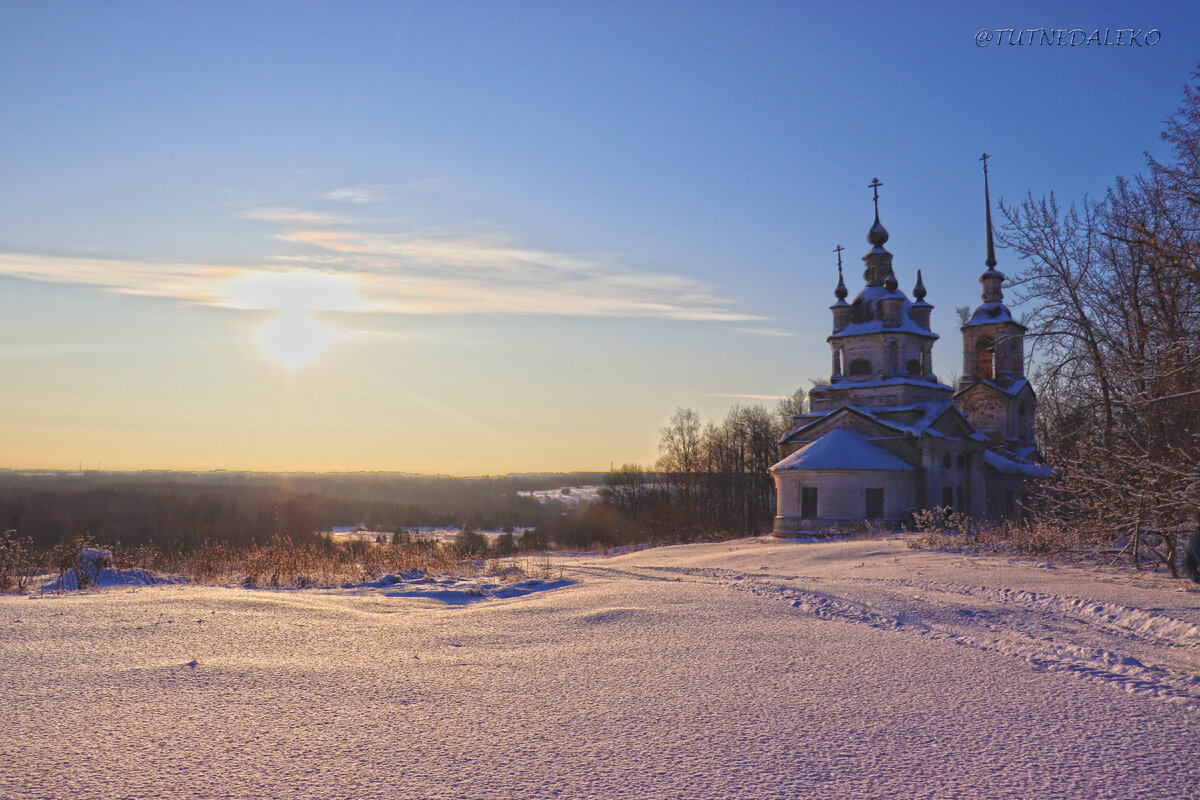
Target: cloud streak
(366,193)
(748,396)
(772,332)
(417,272)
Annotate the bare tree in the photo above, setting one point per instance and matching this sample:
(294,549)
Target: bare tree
(789,408)
(1114,318)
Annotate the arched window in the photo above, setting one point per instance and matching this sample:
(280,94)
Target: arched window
(860,366)
(914,366)
(985,358)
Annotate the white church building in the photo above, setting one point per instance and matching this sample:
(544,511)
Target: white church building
(885,437)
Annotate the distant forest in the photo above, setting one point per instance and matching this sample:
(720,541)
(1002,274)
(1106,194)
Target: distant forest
(183,510)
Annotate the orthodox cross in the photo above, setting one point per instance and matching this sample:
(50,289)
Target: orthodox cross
(874,185)
(984,159)
(839,250)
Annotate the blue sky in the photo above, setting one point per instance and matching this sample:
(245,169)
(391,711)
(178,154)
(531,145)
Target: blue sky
(501,237)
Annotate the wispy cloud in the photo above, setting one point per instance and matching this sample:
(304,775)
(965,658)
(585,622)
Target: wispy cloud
(367,193)
(283,215)
(447,272)
(762,332)
(198,283)
(748,396)
(417,272)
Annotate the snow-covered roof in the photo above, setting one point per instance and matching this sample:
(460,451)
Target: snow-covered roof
(842,448)
(872,383)
(929,412)
(1028,453)
(991,313)
(907,325)
(1006,465)
(867,302)
(1012,389)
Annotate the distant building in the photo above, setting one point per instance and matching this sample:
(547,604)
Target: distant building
(884,437)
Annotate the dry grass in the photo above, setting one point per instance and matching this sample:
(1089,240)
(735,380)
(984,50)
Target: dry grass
(278,563)
(282,562)
(943,530)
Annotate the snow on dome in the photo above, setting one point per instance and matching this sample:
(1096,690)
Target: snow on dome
(989,313)
(842,448)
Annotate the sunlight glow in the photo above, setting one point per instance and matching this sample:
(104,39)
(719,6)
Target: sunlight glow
(300,290)
(293,339)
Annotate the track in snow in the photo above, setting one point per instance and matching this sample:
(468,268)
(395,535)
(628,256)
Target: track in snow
(1144,652)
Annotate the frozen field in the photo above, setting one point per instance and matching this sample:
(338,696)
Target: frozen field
(753,669)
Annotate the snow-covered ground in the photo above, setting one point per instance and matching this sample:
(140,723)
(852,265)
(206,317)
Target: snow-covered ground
(756,669)
(568,495)
(434,533)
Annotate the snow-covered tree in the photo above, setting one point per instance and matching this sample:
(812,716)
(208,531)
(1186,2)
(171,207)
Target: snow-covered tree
(1112,290)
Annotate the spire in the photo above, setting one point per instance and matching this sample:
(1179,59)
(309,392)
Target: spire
(987,200)
(840,292)
(993,278)
(919,289)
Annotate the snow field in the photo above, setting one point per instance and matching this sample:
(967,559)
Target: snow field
(756,669)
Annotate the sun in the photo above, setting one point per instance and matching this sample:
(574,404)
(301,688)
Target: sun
(293,339)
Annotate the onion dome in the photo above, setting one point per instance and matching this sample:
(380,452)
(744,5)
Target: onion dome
(919,289)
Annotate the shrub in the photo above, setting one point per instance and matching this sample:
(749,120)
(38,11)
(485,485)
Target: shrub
(17,563)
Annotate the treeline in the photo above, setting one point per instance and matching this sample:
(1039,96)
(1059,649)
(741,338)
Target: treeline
(1113,288)
(710,482)
(183,511)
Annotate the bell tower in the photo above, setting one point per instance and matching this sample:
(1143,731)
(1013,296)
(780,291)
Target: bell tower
(993,392)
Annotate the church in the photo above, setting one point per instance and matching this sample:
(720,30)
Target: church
(885,437)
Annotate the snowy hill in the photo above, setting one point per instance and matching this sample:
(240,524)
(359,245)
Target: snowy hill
(757,669)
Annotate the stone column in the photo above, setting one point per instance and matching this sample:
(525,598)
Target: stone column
(933,479)
(976,485)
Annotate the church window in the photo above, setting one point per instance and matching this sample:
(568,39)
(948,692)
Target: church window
(948,496)
(874,500)
(985,358)
(808,502)
(946,461)
(1009,503)
(914,366)
(960,461)
(959,500)
(860,366)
